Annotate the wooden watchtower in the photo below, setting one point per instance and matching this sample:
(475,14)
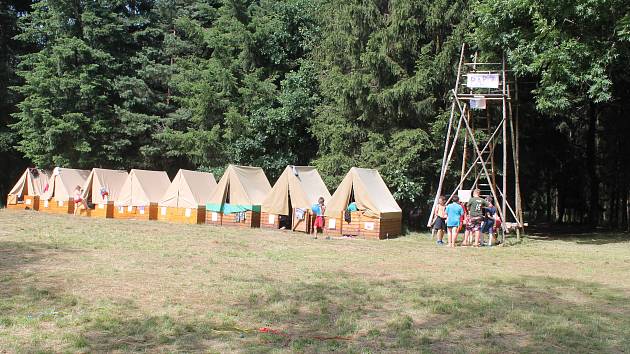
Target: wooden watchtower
(483,129)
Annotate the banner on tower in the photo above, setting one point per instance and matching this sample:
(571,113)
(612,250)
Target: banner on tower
(483,81)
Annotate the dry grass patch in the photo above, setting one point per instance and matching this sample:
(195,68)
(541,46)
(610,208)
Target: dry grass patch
(89,285)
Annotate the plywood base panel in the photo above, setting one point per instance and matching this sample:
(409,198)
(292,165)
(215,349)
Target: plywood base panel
(103,211)
(136,213)
(252,219)
(182,215)
(214,218)
(29,202)
(272,221)
(57,206)
(303,225)
(269,221)
(364,226)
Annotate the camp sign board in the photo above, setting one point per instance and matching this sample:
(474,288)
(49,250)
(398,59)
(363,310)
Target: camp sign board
(483,80)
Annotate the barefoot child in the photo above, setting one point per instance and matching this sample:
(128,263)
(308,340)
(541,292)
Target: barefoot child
(454,211)
(79,202)
(439,225)
(318,209)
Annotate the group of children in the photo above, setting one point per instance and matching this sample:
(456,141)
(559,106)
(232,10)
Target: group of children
(478,216)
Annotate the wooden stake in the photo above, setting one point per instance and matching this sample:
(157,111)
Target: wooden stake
(504,186)
(479,156)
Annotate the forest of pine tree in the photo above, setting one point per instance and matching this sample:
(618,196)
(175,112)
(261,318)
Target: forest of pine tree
(198,84)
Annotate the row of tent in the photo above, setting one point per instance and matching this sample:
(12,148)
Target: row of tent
(362,205)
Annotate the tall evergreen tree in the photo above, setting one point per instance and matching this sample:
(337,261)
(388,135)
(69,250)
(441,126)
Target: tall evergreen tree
(577,52)
(385,67)
(11,161)
(243,95)
(69,114)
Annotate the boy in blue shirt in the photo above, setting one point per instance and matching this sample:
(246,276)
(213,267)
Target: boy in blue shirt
(454,211)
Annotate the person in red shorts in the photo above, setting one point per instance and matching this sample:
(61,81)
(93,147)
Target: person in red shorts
(319,209)
(78,200)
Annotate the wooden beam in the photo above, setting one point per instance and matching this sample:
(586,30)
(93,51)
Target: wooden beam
(448,135)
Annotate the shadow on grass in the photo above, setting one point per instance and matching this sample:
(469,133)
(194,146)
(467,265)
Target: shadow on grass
(13,255)
(529,314)
(524,314)
(593,238)
(579,234)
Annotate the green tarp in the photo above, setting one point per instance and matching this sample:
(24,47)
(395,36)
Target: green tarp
(231,208)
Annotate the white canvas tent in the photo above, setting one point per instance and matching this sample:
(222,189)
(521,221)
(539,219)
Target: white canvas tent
(63,182)
(242,187)
(301,185)
(142,188)
(104,184)
(189,189)
(371,195)
(32,182)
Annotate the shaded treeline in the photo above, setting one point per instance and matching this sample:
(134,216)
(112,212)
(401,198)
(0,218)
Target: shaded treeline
(198,84)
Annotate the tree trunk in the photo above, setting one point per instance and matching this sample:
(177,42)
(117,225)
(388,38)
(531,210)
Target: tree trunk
(591,166)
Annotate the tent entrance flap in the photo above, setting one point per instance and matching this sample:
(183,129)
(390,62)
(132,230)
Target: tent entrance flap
(285,220)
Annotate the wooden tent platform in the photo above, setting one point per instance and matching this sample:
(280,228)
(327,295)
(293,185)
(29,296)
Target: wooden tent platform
(136,213)
(104,211)
(182,215)
(272,221)
(269,221)
(363,226)
(57,206)
(30,202)
(252,219)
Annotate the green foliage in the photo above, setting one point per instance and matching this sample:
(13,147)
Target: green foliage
(384,67)
(569,45)
(168,84)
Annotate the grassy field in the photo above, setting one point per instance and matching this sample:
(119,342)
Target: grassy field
(84,285)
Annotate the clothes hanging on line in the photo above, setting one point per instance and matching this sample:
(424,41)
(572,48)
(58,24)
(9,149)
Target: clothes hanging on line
(240,216)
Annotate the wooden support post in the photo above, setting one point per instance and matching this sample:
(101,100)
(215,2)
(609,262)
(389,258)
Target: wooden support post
(479,156)
(517,163)
(504,143)
(470,169)
(465,151)
(448,135)
(513,150)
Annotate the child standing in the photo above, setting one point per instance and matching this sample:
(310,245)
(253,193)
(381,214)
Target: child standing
(489,219)
(78,200)
(454,212)
(319,209)
(439,225)
(476,205)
